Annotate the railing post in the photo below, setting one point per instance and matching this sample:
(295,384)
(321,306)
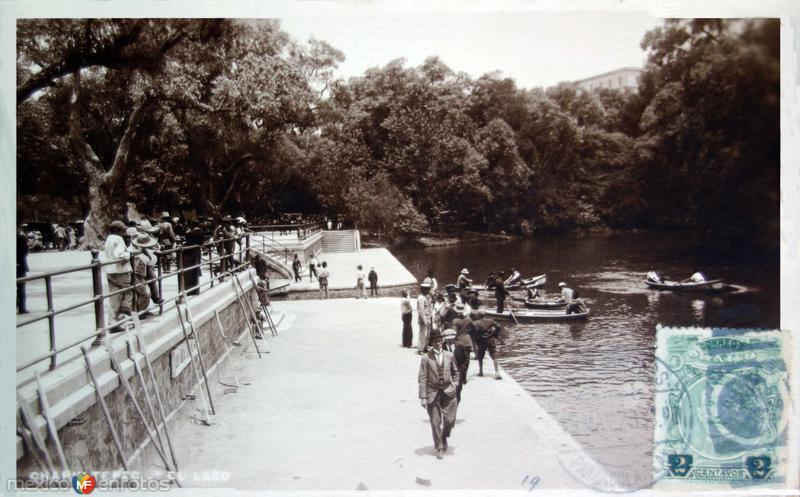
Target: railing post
(210,265)
(181,283)
(99,301)
(48,281)
(247,247)
(159,282)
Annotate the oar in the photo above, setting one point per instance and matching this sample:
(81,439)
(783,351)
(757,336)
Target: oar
(512,313)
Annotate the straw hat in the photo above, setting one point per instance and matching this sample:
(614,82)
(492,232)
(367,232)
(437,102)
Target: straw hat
(562,284)
(449,334)
(465,271)
(143,240)
(148,228)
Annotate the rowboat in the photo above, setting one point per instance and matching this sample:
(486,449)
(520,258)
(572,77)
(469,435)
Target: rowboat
(538,315)
(534,282)
(705,286)
(545,303)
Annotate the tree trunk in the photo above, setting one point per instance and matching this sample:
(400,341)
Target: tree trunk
(101,213)
(102,204)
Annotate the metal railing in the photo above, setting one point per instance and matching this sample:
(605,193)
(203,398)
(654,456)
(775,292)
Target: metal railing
(271,247)
(303,230)
(226,260)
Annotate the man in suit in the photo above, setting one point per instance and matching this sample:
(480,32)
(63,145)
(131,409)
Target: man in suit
(438,381)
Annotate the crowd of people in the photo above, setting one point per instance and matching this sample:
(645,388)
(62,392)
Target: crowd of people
(52,236)
(451,327)
(146,248)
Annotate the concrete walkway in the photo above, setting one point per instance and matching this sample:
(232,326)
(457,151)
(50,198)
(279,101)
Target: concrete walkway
(334,407)
(342,268)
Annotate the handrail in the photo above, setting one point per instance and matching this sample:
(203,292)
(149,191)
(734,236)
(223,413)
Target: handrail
(267,242)
(303,230)
(223,257)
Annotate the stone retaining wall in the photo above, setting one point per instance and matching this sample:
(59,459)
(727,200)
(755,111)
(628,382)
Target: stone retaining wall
(83,429)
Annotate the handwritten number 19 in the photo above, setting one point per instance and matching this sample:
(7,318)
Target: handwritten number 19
(532,482)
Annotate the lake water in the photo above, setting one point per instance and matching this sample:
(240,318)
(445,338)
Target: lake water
(596,377)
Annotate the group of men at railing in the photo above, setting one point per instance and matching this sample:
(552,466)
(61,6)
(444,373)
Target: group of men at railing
(145,251)
(137,259)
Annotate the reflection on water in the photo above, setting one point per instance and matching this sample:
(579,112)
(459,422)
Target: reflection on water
(596,377)
(699,307)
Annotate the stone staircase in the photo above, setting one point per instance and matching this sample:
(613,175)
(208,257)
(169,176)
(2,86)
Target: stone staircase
(340,241)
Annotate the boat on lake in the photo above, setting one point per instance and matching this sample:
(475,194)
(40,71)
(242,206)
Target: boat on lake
(538,315)
(545,303)
(534,282)
(702,286)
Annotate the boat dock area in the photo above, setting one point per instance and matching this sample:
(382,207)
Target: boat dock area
(334,406)
(392,275)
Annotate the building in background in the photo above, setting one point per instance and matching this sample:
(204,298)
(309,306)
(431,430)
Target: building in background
(626,78)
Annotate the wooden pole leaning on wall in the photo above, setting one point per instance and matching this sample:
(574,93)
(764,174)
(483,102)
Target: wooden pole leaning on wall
(137,330)
(205,420)
(51,425)
(147,399)
(128,390)
(246,318)
(228,350)
(27,417)
(196,338)
(104,407)
(30,446)
(264,308)
(249,302)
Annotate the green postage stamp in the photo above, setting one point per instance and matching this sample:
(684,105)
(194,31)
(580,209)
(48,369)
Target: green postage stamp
(723,408)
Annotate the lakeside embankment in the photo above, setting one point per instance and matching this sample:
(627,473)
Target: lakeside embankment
(334,407)
(700,235)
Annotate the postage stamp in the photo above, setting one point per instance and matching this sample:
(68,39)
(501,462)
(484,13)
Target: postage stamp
(722,408)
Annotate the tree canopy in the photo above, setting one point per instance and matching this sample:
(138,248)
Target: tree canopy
(233,116)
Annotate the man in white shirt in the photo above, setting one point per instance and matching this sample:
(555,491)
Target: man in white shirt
(118,274)
(697,277)
(431,280)
(566,292)
(312,268)
(424,317)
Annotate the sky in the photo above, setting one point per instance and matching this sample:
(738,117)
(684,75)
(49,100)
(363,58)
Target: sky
(533,48)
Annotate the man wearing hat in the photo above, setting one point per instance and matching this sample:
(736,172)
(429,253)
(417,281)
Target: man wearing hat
(431,280)
(424,317)
(500,291)
(146,227)
(463,279)
(372,277)
(486,339)
(118,274)
(166,237)
(567,294)
(438,383)
(229,230)
(465,331)
(142,259)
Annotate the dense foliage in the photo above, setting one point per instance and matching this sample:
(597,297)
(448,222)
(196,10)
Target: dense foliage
(213,116)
